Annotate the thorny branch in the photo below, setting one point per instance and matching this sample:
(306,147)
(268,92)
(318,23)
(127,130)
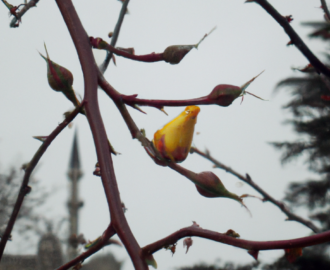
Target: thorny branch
(108,233)
(90,70)
(247,179)
(245,244)
(25,189)
(295,38)
(19,15)
(325,9)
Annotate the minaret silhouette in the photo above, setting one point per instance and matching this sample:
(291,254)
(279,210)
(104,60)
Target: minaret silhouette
(74,174)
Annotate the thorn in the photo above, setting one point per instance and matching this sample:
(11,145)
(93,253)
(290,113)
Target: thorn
(162,109)
(256,96)
(290,43)
(114,60)
(251,196)
(46,50)
(254,254)
(40,138)
(138,108)
(288,18)
(242,100)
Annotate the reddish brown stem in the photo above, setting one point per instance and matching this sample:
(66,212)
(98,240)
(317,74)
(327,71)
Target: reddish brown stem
(24,189)
(158,103)
(19,15)
(245,244)
(296,40)
(267,197)
(108,233)
(153,57)
(90,71)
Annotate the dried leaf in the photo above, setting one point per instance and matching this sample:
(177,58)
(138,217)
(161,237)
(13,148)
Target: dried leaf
(187,242)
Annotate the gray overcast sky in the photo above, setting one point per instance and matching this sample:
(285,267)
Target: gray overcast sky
(160,201)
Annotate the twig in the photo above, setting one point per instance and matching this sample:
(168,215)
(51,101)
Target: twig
(245,244)
(25,189)
(296,40)
(247,179)
(103,67)
(158,103)
(20,14)
(108,233)
(148,58)
(86,58)
(325,8)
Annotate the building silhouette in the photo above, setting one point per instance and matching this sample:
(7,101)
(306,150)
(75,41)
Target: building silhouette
(50,254)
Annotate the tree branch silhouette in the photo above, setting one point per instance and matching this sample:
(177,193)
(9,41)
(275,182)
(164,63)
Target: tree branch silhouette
(295,38)
(25,189)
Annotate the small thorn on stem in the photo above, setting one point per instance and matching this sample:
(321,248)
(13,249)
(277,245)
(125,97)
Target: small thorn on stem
(162,109)
(290,43)
(138,108)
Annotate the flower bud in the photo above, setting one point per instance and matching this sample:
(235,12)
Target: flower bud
(60,79)
(174,54)
(225,94)
(174,140)
(210,186)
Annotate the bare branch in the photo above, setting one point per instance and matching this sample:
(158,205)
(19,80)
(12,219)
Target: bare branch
(115,35)
(108,233)
(245,244)
(25,189)
(19,15)
(325,8)
(295,39)
(90,70)
(247,179)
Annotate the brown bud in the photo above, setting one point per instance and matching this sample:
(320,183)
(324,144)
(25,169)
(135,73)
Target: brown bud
(225,94)
(174,54)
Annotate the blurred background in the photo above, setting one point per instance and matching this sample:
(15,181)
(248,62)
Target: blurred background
(159,201)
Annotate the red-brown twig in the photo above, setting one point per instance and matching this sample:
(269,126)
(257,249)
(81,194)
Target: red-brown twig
(25,189)
(245,244)
(325,8)
(90,70)
(19,15)
(116,98)
(247,179)
(115,35)
(148,58)
(158,103)
(295,39)
(108,233)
